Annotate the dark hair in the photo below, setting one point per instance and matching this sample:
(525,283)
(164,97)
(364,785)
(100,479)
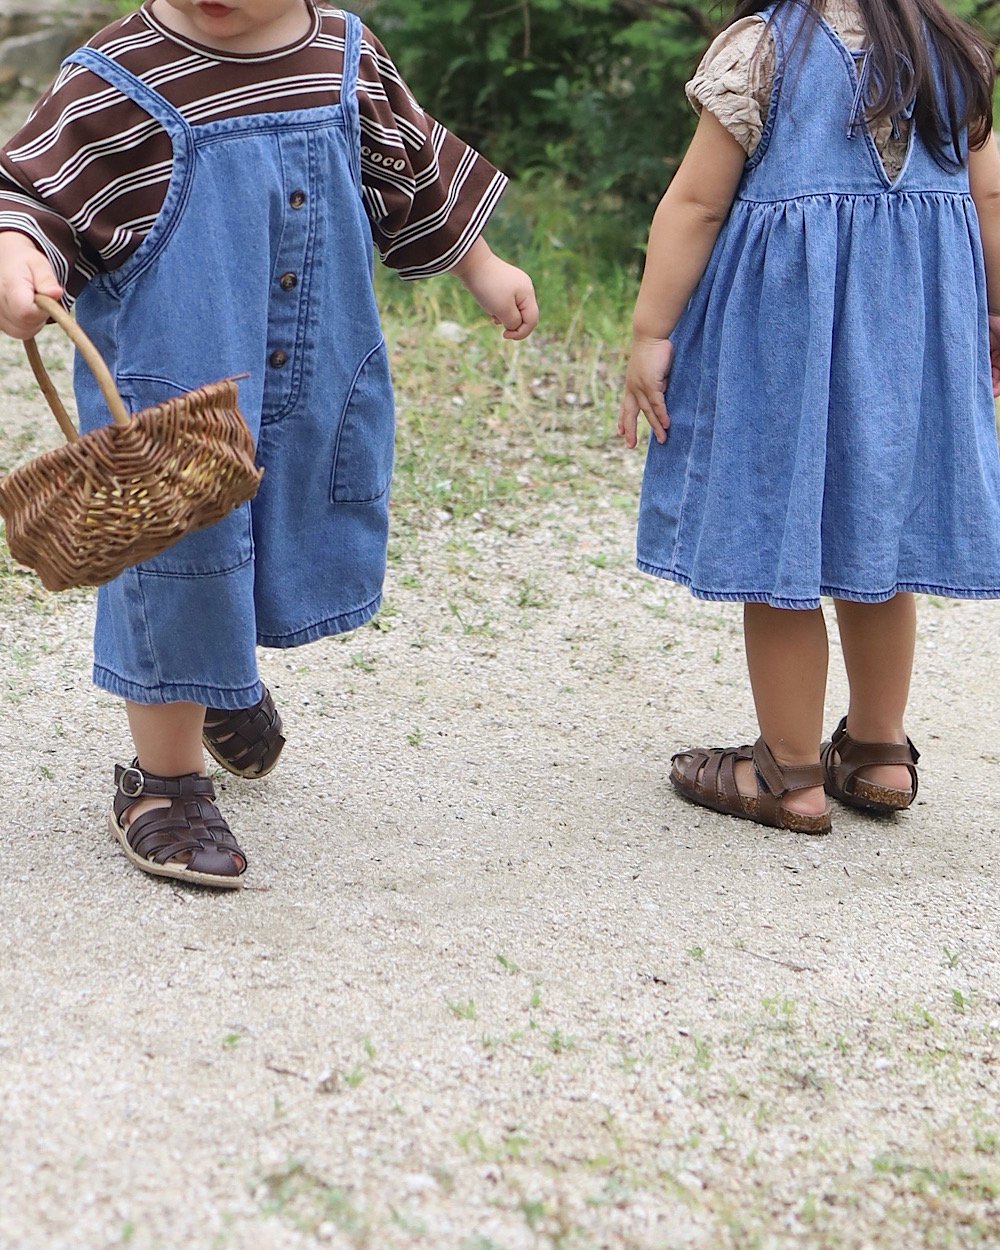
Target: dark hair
(923,32)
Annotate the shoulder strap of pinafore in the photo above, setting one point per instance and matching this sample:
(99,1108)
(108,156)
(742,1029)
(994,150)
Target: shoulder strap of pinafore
(182,142)
(170,118)
(349,90)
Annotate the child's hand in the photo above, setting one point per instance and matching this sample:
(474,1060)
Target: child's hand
(24,273)
(503,291)
(995,354)
(645,382)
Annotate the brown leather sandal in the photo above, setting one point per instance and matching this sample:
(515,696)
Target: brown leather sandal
(843,757)
(246,742)
(188,840)
(707,776)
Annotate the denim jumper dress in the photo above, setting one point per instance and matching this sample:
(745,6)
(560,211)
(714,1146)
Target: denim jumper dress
(259,263)
(832,422)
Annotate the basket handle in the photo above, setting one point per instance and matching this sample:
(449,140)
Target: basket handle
(89,353)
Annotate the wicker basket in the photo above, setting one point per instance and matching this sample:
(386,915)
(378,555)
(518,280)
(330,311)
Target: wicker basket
(80,514)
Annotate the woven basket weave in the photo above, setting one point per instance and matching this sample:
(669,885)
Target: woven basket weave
(82,513)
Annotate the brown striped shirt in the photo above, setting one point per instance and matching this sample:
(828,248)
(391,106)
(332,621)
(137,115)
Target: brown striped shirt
(87,174)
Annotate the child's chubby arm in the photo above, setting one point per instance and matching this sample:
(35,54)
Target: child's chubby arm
(984,183)
(24,273)
(503,291)
(685,227)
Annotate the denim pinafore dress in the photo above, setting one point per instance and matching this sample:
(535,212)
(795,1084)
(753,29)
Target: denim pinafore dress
(259,263)
(832,422)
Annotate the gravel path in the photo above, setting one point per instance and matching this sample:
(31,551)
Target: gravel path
(491,986)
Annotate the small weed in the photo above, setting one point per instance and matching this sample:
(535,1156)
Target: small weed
(696,952)
(231,1041)
(702,1053)
(362,662)
(530,595)
(307,1201)
(415,737)
(950,958)
(463,1011)
(960,1001)
(558,1042)
(782,1010)
(508,965)
(471,628)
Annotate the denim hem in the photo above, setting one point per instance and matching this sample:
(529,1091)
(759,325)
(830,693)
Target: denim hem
(830,592)
(323,629)
(228,699)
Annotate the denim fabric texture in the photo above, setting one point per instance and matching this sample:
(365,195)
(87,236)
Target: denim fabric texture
(832,420)
(260,263)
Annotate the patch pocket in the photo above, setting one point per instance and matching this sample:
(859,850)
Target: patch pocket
(362,459)
(219,548)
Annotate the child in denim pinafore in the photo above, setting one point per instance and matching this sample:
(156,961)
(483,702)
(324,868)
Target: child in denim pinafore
(812,347)
(258,262)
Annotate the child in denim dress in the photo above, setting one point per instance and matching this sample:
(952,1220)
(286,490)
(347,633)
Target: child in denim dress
(812,351)
(206,178)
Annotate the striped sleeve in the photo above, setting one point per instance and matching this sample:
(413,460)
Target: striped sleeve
(427,194)
(27,209)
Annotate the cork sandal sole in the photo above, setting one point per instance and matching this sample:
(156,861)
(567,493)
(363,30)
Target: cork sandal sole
(843,757)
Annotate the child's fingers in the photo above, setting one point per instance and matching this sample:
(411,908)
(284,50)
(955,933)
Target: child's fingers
(523,317)
(639,397)
(627,416)
(994,327)
(657,407)
(45,281)
(656,414)
(20,316)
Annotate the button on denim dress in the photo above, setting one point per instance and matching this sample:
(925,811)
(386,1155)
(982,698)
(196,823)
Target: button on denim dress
(260,262)
(832,422)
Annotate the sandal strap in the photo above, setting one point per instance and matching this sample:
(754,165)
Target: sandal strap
(779,780)
(715,770)
(782,779)
(134,783)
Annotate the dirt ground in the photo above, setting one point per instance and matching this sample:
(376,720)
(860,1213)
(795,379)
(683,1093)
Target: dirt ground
(491,985)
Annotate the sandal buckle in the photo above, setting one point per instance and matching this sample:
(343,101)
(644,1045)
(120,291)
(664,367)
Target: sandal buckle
(134,772)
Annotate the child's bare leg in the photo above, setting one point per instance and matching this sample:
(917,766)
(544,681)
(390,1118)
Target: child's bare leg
(878,641)
(167,739)
(787,655)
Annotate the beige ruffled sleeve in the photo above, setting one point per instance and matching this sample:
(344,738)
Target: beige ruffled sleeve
(734,80)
